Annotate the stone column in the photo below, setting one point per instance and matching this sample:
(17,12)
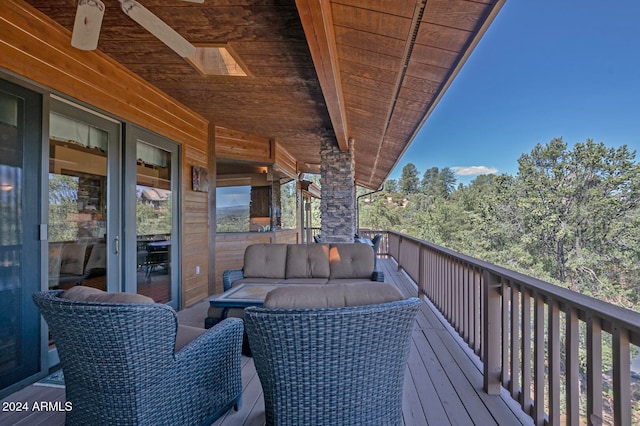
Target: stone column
(338,191)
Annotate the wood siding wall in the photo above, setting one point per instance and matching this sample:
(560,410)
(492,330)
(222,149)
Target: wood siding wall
(36,48)
(230,248)
(285,162)
(235,145)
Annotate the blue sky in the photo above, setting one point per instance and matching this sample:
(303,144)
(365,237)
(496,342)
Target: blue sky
(544,69)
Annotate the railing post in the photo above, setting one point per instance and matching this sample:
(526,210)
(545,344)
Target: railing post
(422,284)
(491,333)
(399,253)
(594,370)
(621,377)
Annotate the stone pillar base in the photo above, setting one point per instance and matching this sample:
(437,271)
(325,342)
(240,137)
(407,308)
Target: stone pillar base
(338,191)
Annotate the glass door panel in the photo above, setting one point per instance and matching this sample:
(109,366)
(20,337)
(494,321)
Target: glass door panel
(153,222)
(20,147)
(83,215)
(156,188)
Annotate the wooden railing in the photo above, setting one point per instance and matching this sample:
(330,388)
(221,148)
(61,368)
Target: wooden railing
(531,336)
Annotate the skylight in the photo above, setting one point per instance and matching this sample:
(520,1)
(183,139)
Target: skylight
(217,60)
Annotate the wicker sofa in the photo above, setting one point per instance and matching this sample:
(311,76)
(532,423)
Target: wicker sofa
(305,264)
(332,355)
(127,361)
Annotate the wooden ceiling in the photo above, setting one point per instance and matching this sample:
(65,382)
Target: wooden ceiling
(369,70)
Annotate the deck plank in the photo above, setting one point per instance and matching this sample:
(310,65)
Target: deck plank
(443,380)
(419,391)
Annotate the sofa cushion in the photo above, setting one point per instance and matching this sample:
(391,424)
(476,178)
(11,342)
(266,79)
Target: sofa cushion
(307,261)
(265,261)
(55,256)
(351,261)
(305,281)
(332,296)
(349,280)
(236,283)
(90,294)
(98,257)
(73,257)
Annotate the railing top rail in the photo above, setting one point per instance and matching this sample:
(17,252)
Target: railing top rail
(608,312)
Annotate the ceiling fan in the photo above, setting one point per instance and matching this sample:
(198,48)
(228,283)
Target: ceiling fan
(86,28)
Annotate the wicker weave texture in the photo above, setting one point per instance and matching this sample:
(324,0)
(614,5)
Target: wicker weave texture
(120,368)
(340,366)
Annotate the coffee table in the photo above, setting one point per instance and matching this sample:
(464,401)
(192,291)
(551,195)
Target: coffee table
(242,296)
(247,294)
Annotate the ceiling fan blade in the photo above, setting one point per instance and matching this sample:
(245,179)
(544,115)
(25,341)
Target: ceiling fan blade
(86,28)
(194,1)
(158,28)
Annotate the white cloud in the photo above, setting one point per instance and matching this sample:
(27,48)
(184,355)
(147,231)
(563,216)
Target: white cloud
(474,170)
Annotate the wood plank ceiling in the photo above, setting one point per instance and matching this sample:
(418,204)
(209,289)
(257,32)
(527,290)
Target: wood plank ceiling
(394,60)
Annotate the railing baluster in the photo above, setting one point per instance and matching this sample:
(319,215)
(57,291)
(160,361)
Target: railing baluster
(506,299)
(621,377)
(481,309)
(554,361)
(538,360)
(477,311)
(525,400)
(572,364)
(594,370)
(450,291)
(457,295)
(421,270)
(514,386)
(465,303)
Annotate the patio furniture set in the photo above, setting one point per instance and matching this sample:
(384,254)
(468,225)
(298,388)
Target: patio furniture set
(329,339)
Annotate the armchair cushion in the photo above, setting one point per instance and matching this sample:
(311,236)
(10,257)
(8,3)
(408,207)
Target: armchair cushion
(186,334)
(265,261)
(90,294)
(332,296)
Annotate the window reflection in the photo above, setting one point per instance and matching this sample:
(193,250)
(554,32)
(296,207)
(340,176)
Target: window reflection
(77,204)
(232,208)
(153,222)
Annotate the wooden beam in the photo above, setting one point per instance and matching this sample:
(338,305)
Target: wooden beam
(317,22)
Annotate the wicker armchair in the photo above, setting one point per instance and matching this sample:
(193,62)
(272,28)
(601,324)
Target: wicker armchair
(120,367)
(332,366)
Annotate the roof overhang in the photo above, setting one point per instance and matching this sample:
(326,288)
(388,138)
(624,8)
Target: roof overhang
(316,69)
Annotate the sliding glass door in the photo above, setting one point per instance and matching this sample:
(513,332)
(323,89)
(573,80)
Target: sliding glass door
(102,210)
(20,247)
(153,201)
(84,199)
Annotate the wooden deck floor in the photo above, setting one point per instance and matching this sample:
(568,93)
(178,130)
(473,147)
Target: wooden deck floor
(443,382)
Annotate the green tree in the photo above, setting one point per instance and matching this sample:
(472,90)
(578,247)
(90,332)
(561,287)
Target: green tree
(575,208)
(409,180)
(63,207)
(438,183)
(378,215)
(391,186)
